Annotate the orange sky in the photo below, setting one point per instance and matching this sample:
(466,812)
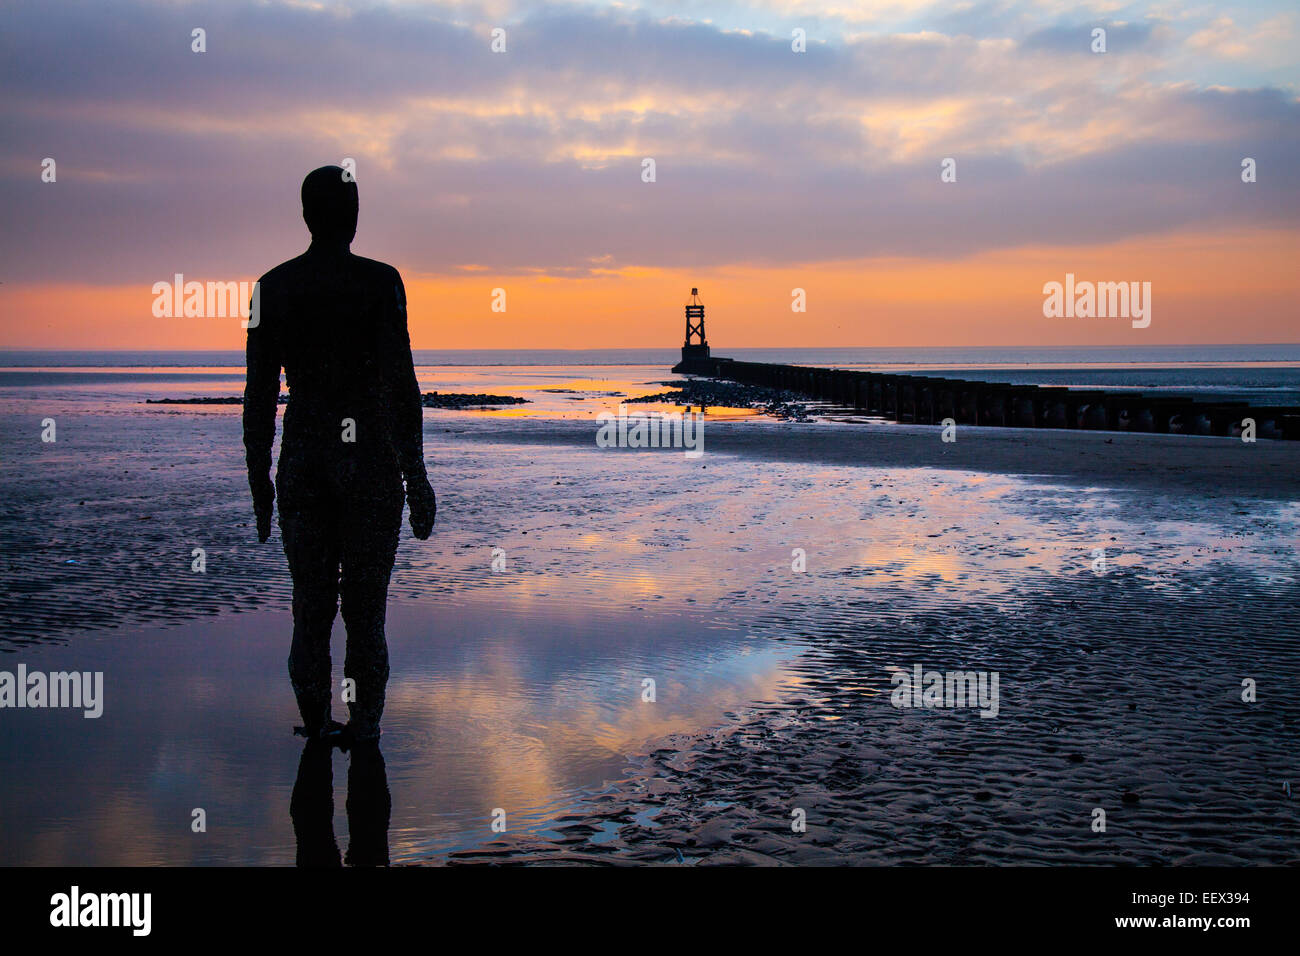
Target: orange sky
(1239,288)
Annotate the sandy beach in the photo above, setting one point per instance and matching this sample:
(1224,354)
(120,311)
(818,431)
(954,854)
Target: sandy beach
(1106,704)
(521,689)
(1125,691)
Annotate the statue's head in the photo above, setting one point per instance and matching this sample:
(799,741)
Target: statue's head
(329,204)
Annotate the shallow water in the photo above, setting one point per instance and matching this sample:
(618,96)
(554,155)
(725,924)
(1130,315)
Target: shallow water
(491,705)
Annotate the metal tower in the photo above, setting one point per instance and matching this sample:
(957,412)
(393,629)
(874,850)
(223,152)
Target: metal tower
(695,327)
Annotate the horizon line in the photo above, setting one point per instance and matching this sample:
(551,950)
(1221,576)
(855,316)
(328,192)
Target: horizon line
(642,348)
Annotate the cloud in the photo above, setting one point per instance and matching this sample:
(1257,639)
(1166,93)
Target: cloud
(1273,40)
(530,160)
(1077,39)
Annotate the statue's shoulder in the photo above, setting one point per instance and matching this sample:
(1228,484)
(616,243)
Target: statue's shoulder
(284,273)
(379,271)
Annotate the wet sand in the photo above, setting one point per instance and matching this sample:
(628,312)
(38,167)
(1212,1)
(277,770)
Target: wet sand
(1119,694)
(1193,464)
(1119,690)
(1108,700)
(99,529)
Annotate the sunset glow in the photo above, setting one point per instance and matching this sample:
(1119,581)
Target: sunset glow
(775,170)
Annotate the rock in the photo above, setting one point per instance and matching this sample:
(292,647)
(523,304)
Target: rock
(464,400)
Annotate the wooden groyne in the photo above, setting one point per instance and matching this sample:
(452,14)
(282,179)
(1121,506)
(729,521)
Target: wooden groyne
(928,400)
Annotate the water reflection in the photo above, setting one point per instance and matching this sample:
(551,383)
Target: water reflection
(369,807)
(491,704)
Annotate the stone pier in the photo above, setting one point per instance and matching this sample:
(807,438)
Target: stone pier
(927,400)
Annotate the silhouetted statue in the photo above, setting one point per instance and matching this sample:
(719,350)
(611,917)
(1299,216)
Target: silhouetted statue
(353,432)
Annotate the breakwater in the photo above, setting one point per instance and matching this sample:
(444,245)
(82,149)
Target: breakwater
(930,400)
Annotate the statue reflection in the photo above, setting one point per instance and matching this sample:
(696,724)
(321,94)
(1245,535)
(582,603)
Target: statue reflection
(369,807)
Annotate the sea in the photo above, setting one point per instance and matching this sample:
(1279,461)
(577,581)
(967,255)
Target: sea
(1264,374)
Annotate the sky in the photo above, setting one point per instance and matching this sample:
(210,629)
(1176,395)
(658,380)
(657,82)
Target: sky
(774,170)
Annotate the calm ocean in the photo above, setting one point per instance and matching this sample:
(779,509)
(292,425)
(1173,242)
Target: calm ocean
(1267,374)
(974,357)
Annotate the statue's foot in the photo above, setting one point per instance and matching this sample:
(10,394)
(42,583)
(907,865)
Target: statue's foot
(355,736)
(331,730)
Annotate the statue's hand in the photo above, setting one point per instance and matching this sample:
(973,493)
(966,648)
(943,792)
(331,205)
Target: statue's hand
(263,503)
(424,506)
